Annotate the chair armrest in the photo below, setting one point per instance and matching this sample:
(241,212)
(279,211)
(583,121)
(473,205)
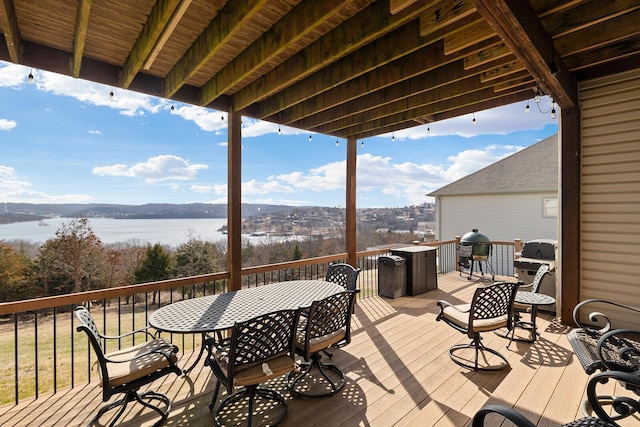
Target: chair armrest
(444,304)
(623,406)
(619,350)
(144,330)
(598,318)
(510,414)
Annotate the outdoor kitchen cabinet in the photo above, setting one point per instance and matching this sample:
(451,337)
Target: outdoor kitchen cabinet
(422,275)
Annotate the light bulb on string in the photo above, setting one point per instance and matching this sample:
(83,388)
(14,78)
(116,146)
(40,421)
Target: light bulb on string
(526,109)
(31,78)
(537,96)
(337,143)
(553,111)
(222,118)
(111,94)
(362,144)
(474,119)
(310,137)
(393,138)
(173,108)
(428,130)
(279,130)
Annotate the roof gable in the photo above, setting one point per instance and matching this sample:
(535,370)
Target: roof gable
(532,169)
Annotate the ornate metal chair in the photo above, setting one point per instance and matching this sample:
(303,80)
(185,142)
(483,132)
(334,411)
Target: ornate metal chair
(343,274)
(491,309)
(601,347)
(604,419)
(328,324)
(128,369)
(258,350)
(519,308)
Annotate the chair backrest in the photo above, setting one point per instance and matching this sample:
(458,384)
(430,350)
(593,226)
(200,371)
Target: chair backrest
(490,302)
(343,274)
(88,325)
(543,270)
(261,339)
(328,323)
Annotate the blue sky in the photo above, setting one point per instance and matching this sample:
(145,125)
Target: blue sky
(64,140)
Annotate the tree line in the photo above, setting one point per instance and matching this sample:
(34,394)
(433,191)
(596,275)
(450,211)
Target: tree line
(75,259)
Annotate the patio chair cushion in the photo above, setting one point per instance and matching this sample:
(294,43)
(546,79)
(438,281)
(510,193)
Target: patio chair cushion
(459,314)
(320,343)
(257,373)
(125,372)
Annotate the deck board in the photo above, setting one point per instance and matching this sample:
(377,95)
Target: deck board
(399,374)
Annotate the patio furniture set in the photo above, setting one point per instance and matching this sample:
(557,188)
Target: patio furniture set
(251,336)
(596,343)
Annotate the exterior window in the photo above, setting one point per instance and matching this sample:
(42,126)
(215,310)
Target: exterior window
(550,208)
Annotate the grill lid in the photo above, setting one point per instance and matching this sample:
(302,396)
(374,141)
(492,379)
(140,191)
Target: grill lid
(474,236)
(539,249)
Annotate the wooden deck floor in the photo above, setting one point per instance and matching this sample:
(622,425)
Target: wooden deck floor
(399,374)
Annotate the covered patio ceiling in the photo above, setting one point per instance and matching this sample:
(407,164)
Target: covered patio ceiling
(347,68)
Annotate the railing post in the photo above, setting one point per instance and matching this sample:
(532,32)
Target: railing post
(458,268)
(516,252)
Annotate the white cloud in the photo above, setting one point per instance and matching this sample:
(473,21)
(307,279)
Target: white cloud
(205,189)
(7,124)
(12,75)
(12,189)
(95,132)
(156,169)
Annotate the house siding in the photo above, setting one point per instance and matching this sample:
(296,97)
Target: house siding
(610,189)
(499,216)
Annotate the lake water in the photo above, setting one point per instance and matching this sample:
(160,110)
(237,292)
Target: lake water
(164,231)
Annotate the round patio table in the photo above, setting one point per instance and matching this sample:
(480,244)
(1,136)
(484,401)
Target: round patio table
(534,299)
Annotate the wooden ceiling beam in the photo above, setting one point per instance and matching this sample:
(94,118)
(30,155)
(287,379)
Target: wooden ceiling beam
(80,35)
(161,22)
(9,25)
(610,54)
(516,23)
(406,54)
(322,108)
(294,26)
(222,28)
(354,33)
(427,89)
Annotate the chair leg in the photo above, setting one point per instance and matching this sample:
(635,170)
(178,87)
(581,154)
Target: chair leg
(294,378)
(130,396)
(251,392)
(215,396)
(478,347)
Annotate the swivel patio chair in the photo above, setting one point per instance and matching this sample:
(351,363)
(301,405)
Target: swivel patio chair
(604,419)
(328,324)
(128,369)
(491,309)
(258,350)
(600,346)
(343,274)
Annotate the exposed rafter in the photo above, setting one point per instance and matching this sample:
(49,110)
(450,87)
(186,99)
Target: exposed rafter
(80,34)
(221,29)
(155,27)
(516,23)
(9,25)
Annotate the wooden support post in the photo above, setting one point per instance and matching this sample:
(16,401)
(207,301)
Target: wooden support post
(234,200)
(350,239)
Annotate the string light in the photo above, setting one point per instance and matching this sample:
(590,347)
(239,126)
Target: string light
(222,118)
(428,129)
(337,143)
(310,137)
(526,109)
(362,144)
(537,96)
(553,110)
(111,95)
(31,78)
(173,108)
(474,119)
(279,130)
(393,138)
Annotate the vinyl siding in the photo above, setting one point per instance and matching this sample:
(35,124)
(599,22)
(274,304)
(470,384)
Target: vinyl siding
(610,189)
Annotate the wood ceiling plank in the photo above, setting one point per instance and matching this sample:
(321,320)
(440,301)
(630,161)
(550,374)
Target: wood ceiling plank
(472,34)
(495,51)
(224,27)
(397,6)
(506,69)
(353,34)
(514,82)
(9,24)
(432,87)
(339,80)
(156,25)
(296,25)
(441,15)
(609,54)
(80,35)
(317,113)
(516,23)
(618,28)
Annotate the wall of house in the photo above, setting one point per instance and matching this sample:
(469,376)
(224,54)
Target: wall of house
(610,189)
(499,216)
